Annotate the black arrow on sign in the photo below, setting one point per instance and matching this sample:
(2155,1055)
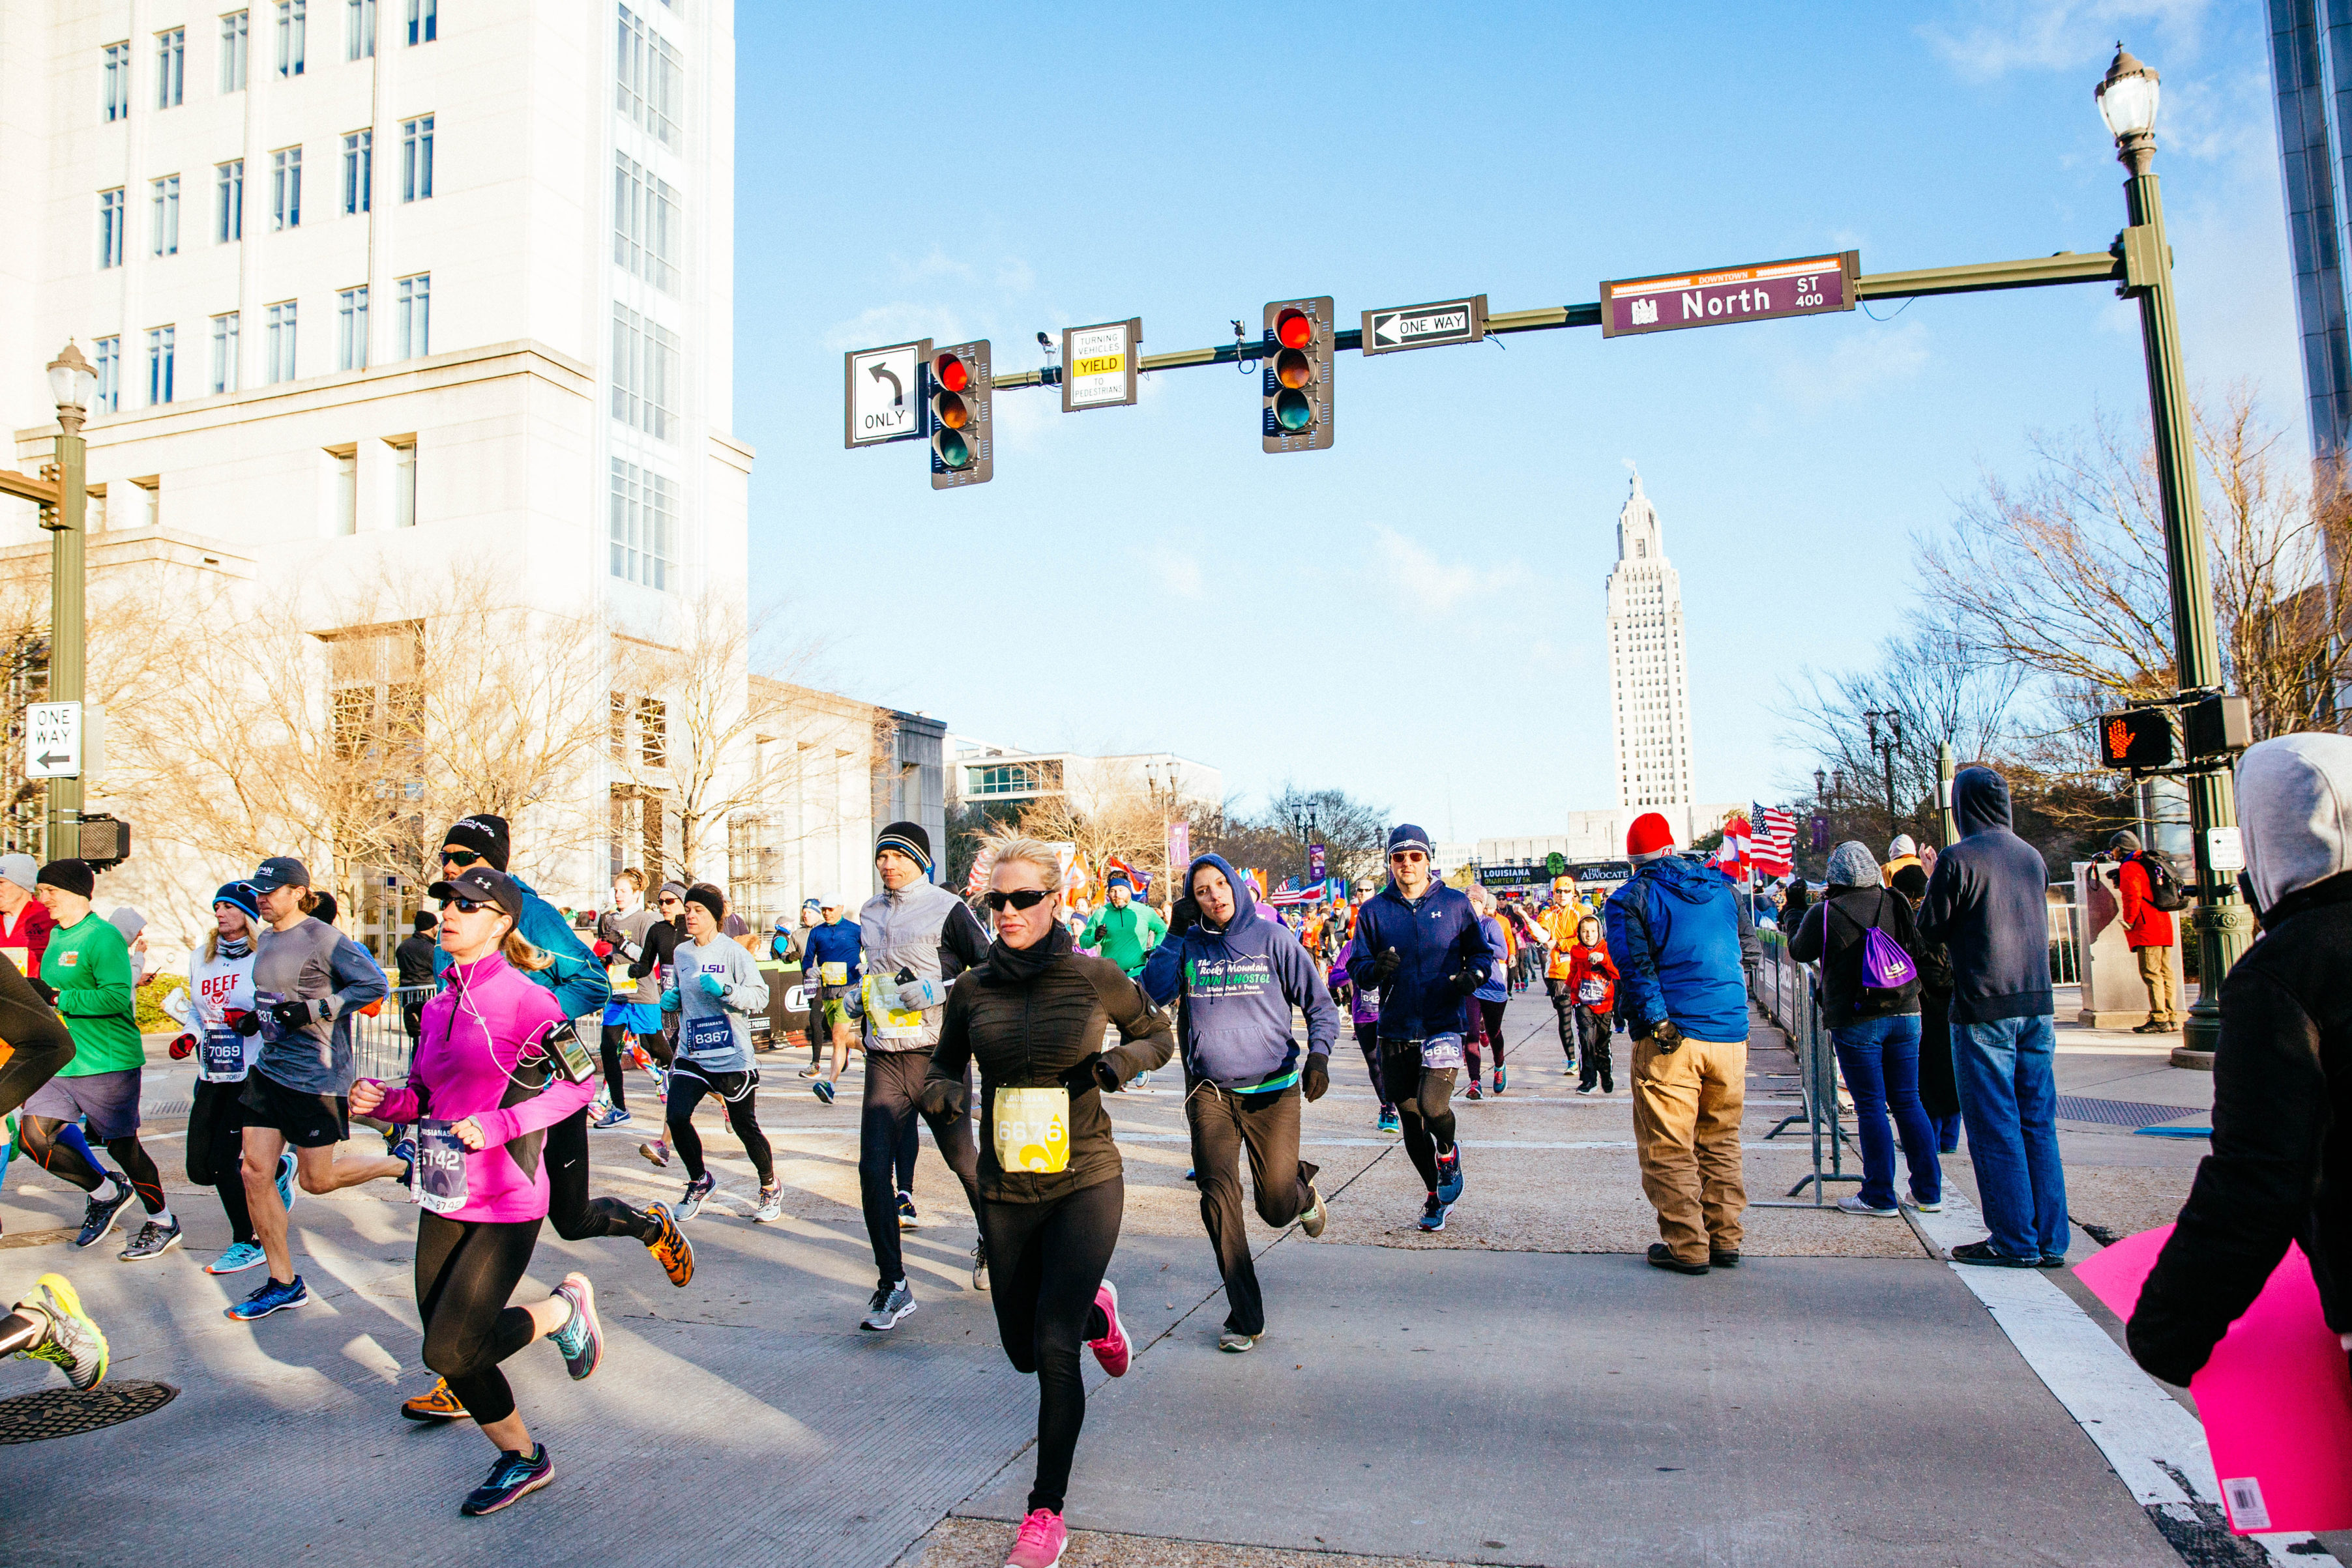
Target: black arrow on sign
(898,387)
(50,759)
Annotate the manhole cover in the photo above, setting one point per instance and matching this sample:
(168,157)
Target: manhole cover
(35,1238)
(62,1412)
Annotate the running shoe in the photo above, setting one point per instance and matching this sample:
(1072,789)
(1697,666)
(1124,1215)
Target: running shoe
(582,1337)
(891,1305)
(696,1191)
(1232,1342)
(670,1248)
(615,1117)
(979,1266)
(811,1070)
(1433,1212)
(152,1242)
(1584,1089)
(288,1190)
(513,1477)
(908,1218)
(97,1216)
(1473,1092)
(1449,1175)
(1039,1545)
(241,1255)
(656,1150)
(1854,1203)
(771,1205)
(822,1089)
(435,1404)
(1316,1216)
(1112,1351)
(75,1345)
(1927,1204)
(404,1151)
(1388,1122)
(268,1297)
(1500,1078)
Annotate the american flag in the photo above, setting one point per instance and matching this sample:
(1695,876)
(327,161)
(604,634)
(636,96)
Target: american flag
(1775,844)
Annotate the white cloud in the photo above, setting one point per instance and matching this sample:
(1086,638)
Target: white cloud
(2003,35)
(1418,583)
(1859,364)
(897,322)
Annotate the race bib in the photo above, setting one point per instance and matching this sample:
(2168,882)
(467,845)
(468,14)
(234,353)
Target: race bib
(1032,1129)
(1440,1051)
(224,1058)
(832,974)
(20,957)
(890,1020)
(618,976)
(262,1002)
(709,1033)
(440,1183)
(1591,990)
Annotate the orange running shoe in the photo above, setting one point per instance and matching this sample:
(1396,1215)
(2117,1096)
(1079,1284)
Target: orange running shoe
(670,1248)
(435,1404)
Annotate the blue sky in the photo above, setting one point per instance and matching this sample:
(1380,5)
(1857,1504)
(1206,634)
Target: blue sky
(1416,615)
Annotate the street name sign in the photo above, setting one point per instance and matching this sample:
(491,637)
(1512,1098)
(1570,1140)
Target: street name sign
(882,399)
(1098,364)
(52,740)
(1397,328)
(1809,286)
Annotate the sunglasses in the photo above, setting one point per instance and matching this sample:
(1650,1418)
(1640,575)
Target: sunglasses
(469,905)
(1019,898)
(665,901)
(1406,857)
(460,858)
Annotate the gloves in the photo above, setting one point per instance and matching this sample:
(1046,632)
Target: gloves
(1384,967)
(669,1000)
(603,949)
(1091,1071)
(182,1046)
(246,1024)
(1318,1077)
(1666,1037)
(1468,978)
(943,1097)
(291,1015)
(921,994)
(1184,915)
(713,986)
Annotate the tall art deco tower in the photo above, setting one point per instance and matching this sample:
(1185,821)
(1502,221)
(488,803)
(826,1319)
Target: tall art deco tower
(1649,689)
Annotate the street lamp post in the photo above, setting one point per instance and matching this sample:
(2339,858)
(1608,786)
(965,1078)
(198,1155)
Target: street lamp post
(2127,97)
(1886,747)
(71,384)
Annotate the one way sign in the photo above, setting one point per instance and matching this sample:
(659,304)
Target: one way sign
(52,740)
(1433,325)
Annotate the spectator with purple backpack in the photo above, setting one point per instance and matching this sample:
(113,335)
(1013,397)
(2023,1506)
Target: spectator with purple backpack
(1863,935)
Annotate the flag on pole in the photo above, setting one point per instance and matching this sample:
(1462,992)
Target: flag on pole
(1775,841)
(1732,859)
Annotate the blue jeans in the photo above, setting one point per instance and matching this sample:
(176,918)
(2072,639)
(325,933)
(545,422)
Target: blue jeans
(2009,1098)
(1880,1059)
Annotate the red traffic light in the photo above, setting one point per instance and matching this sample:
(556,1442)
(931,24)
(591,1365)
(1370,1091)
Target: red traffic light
(951,373)
(1291,329)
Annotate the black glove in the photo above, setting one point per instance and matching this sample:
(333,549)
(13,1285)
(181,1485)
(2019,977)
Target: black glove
(943,1098)
(1467,979)
(291,1015)
(1091,1071)
(1184,915)
(1665,1037)
(248,1024)
(1384,967)
(1317,1078)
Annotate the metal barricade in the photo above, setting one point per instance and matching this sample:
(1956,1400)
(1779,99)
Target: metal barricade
(1784,990)
(380,1045)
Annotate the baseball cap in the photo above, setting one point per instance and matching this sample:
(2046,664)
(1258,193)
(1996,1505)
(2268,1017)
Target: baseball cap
(279,871)
(480,884)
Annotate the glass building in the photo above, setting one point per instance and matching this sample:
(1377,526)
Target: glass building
(2311,69)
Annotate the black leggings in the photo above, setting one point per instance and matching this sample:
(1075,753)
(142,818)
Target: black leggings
(1367,1040)
(740,1092)
(216,1150)
(38,1139)
(885,1142)
(466,1270)
(1046,1262)
(1563,1003)
(616,1041)
(577,1216)
(1424,1102)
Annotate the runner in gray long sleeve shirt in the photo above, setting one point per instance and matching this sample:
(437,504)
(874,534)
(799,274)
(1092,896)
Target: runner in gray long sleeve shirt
(312,962)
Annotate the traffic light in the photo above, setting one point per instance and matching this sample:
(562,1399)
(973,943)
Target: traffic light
(1296,394)
(956,392)
(2215,727)
(2136,741)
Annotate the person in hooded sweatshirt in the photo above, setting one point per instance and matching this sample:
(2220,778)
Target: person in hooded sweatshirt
(2282,1073)
(1988,903)
(1239,977)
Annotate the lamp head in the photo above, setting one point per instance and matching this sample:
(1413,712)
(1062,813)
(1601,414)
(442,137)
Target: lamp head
(72,382)
(2127,97)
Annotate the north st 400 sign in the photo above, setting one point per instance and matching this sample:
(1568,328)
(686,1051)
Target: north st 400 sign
(1808,286)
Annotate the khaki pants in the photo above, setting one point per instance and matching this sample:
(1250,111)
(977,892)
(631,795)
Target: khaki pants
(1686,1106)
(2155,974)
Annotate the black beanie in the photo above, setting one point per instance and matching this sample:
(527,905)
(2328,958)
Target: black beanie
(326,909)
(484,835)
(70,876)
(709,897)
(426,921)
(909,840)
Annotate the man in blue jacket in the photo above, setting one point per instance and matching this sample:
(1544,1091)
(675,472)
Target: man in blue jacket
(1419,945)
(1239,977)
(1675,935)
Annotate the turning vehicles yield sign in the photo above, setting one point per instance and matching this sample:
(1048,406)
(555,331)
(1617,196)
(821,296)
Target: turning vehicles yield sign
(882,400)
(1435,326)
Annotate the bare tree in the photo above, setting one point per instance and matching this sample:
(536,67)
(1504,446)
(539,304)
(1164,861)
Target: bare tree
(1105,813)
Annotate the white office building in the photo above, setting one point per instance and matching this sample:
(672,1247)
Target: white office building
(387,293)
(1648,683)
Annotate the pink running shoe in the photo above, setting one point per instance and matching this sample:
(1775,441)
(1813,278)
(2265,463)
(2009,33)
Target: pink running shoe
(1112,1349)
(1039,1545)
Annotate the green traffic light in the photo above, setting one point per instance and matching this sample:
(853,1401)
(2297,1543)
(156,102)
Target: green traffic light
(1292,411)
(953,449)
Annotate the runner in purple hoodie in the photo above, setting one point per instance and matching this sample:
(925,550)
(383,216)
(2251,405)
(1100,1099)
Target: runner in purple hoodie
(483,1092)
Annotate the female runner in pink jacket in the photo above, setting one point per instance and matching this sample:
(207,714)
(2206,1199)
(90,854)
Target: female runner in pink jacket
(482,1091)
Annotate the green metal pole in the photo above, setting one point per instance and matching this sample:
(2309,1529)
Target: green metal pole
(61,837)
(2223,924)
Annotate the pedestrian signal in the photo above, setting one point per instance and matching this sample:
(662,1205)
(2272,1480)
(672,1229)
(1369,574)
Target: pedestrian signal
(2136,741)
(1296,394)
(958,392)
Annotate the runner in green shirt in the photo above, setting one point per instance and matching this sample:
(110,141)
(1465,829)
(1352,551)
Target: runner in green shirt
(1122,930)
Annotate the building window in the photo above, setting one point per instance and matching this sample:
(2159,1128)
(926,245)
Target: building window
(416,158)
(646,373)
(163,202)
(114,84)
(1015,779)
(651,89)
(412,317)
(286,188)
(359,170)
(644,525)
(232,52)
(161,350)
(404,485)
(293,30)
(224,352)
(652,732)
(347,491)
(109,228)
(171,67)
(352,329)
(110,375)
(278,347)
(359,29)
(646,226)
(228,203)
(424,20)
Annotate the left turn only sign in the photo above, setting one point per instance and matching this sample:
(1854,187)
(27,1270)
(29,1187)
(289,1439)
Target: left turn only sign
(882,400)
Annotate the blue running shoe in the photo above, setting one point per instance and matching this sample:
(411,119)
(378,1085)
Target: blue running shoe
(582,1340)
(240,1257)
(268,1297)
(286,1190)
(823,1089)
(97,1216)
(615,1117)
(404,1151)
(1388,1123)
(1432,1213)
(1449,1175)
(512,1478)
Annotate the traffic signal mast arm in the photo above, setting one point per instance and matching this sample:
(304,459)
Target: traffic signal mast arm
(1978,277)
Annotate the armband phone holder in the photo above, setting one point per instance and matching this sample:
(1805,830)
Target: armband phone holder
(569,1054)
